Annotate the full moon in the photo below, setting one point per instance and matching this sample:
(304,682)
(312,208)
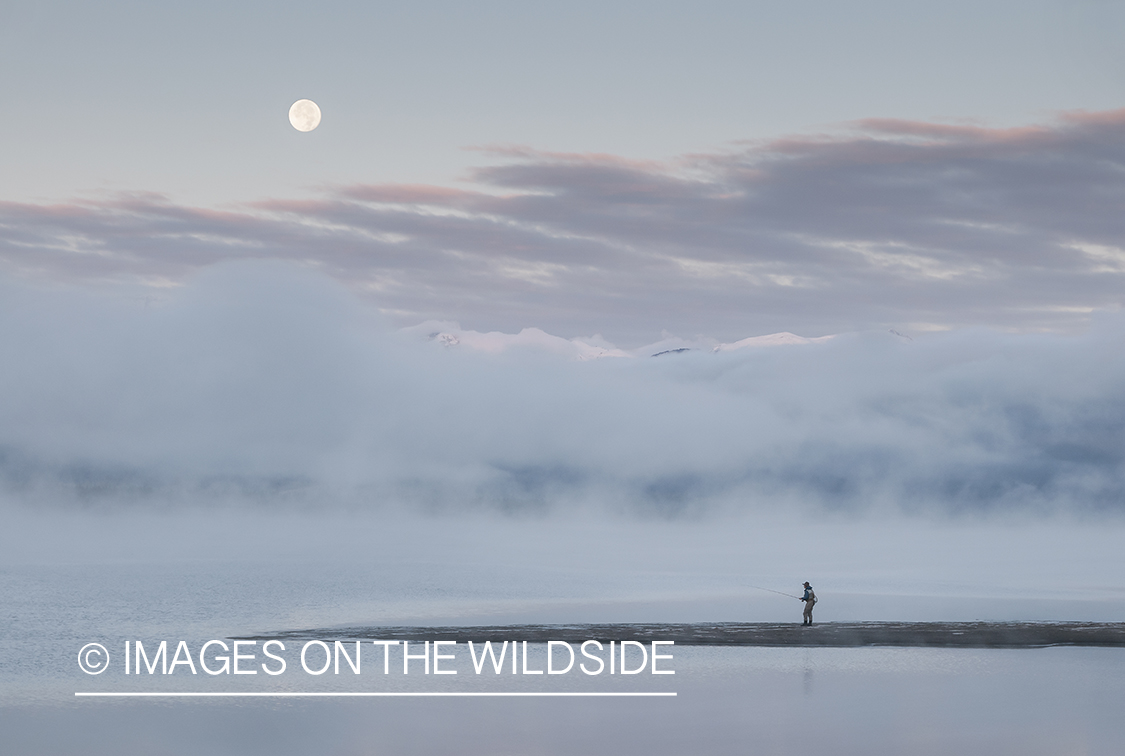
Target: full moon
(304,115)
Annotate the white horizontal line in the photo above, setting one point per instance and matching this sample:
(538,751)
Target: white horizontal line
(446,694)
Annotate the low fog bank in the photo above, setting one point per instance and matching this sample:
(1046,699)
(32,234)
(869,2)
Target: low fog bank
(241,570)
(272,385)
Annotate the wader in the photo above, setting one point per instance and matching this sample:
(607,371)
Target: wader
(808,607)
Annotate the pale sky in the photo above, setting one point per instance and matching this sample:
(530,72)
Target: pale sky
(626,169)
(190,100)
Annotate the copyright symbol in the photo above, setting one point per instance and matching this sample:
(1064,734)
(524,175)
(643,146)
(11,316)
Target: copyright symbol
(93,659)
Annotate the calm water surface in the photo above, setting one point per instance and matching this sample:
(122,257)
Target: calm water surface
(754,700)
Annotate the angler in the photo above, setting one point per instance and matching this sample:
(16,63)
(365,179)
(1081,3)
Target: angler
(810,600)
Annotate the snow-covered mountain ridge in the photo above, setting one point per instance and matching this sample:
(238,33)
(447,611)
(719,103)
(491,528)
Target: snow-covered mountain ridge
(451,335)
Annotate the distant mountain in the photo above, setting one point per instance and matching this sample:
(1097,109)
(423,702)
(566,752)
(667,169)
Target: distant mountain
(449,335)
(774,339)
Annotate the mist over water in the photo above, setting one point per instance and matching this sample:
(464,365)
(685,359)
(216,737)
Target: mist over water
(271,384)
(258,451)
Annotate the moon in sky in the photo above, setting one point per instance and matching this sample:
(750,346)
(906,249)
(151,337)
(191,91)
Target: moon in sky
(304,115)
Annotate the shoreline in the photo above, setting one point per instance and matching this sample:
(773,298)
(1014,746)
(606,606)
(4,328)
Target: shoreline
(763,634)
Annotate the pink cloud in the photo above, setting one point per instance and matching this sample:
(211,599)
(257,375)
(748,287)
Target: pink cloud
(888,221)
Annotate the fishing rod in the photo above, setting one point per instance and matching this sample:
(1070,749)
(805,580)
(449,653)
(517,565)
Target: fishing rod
(779,593)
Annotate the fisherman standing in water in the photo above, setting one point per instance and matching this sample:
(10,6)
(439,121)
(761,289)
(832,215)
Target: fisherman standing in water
(809,598)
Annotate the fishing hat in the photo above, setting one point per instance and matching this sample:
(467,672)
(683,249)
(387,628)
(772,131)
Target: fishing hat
(806,582)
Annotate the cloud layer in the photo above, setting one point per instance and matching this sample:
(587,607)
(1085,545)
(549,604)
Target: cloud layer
(262,382)
(910,225)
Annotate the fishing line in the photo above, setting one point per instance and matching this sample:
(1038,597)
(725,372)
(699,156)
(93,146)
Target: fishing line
(779,593)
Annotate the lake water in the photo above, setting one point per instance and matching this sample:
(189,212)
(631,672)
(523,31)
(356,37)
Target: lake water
(752,700)
(783,701)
